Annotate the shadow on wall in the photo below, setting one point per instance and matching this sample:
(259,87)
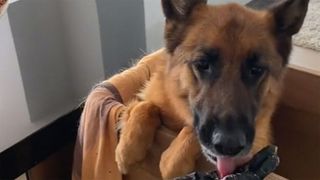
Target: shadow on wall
(122,30)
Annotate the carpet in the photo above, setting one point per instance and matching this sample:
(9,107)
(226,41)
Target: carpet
(309,35)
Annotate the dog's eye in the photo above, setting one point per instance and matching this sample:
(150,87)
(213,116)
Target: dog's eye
(202,65)
(256,71)
(207,63)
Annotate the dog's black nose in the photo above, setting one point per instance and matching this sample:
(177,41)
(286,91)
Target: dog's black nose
(228,145)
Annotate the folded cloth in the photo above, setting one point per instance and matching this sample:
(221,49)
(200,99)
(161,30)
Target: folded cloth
(94,156)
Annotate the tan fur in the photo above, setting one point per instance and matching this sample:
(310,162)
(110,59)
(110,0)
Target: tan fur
(137,134)
(166,94)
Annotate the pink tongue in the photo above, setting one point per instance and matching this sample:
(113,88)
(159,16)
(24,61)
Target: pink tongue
(225,165)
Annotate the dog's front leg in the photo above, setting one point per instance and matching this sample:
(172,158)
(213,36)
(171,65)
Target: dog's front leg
(180,157)
(137,134)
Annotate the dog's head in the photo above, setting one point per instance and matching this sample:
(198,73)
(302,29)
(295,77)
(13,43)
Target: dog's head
(226,58)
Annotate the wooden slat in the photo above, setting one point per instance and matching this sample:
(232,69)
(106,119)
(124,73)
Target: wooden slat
(275,177)
(302,91)
(297,134)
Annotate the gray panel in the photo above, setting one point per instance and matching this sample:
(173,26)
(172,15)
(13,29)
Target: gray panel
(83,44)
(37,31)
(122,31)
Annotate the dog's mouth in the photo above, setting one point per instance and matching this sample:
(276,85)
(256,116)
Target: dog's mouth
(227,165)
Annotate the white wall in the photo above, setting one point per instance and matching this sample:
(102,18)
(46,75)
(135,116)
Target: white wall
(154,21)
(15,121)
(53,56)
(50,57)
(154,24)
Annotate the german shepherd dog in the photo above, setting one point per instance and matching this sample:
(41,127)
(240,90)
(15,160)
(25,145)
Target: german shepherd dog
(218,87)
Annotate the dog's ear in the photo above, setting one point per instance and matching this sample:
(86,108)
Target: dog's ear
(288,15)
(287,18)
(179,9)
(177,13)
